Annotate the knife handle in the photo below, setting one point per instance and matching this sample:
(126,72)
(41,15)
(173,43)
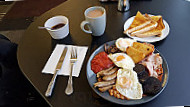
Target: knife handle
(51,85)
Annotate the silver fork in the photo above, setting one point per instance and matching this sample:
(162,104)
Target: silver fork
(73,59)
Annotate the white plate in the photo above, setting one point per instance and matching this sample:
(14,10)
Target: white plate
(151,39)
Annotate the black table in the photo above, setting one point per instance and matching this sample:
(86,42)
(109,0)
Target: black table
(36,46)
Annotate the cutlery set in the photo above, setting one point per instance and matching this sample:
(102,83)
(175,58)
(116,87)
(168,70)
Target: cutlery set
(73,59)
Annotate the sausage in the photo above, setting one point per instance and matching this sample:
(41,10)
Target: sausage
(101,73)
(103,89)
(104,83)
(110,77)
(111,71)
(107,72)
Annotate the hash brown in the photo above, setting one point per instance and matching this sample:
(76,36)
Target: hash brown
(146,49)
(135,54)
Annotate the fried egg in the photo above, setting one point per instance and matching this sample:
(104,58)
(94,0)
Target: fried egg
(123,43)
(122,60)
(128,85)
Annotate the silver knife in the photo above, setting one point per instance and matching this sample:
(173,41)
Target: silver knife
(58,67)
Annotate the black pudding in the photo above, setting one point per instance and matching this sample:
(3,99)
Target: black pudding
(139,67)
(151,86)
(141,72)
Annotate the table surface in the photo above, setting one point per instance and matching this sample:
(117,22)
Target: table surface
(36,46)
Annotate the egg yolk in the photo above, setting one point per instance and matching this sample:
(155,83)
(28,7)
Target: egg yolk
(120,57)
(124,82)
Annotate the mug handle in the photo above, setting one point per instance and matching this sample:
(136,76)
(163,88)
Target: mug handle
(82,26)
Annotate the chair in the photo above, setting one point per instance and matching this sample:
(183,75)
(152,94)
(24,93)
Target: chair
(15,89)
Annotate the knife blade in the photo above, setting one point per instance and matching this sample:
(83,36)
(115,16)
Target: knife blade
(57,69)
(61,59)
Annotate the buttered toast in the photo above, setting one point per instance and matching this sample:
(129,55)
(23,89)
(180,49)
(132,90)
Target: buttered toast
(139,22)
(148,27)
(156,31)
(145,26)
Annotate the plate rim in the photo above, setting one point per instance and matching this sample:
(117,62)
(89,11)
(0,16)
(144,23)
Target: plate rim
(99,93)
(141,39)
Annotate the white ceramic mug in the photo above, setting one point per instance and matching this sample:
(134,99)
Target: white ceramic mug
(96,25)
(61,32)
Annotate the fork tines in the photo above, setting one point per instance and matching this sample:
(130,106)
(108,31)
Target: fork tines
(74,52)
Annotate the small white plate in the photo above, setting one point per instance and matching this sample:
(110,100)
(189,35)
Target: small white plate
(151,39)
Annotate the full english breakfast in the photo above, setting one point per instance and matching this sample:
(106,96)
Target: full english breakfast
(128,69)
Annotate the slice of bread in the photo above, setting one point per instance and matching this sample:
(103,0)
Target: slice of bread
(149,33)
(144,48)
(148,27)
(139,22)
(156,31)
(135,54)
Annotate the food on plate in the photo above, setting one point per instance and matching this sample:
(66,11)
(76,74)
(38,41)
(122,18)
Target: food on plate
(104,83)
(139,50)
(106,72)
(145,48)
(154,65)
(122,60)
(139,22)
(128,85)
(152,86)
(101,62)
(141,72)
(139,68)
(106,79)
(128,70)
(111,49)
(146,26)
(135,54)
(110,77)
(103,89)
(115,93)
(157,31)
(99,79)
(123,43)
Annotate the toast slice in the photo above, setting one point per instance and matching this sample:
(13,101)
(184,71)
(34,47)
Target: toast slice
(144,48)
(148,27)
(139,22)
(135,54)
(158,29)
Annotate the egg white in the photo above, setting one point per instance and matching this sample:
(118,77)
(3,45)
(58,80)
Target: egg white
(133,92)
(126,63)
(123,43)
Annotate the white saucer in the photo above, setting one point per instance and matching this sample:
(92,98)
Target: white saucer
(151,39)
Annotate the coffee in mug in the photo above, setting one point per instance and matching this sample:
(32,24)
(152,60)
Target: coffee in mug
(95,19)
(95,13)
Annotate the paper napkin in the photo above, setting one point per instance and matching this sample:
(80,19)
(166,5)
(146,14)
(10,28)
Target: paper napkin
(65,69)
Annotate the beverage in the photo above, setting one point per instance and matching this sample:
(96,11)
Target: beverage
(95,13)
(95,19)
(58,26)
